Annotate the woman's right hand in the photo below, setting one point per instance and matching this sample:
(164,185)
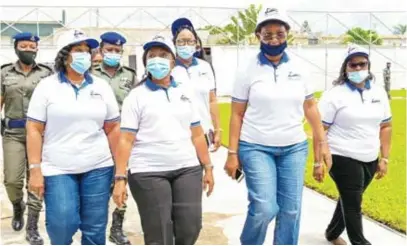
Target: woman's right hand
(36,182)
(120,193)
(319,173)
(231,165)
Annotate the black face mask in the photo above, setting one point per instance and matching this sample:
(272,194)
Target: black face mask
(26,57)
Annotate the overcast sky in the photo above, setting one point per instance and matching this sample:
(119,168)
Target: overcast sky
(216,12)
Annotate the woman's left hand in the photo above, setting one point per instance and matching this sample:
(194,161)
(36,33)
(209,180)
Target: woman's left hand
(208,181)
(325,156)
(381,169)
(216,141)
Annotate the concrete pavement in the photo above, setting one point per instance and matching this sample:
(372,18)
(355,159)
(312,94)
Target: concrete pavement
(224,215)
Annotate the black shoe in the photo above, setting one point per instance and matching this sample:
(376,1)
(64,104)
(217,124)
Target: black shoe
(116,231)
(18,215)
(32,234)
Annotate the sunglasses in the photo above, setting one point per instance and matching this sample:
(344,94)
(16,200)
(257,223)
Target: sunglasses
(359,64)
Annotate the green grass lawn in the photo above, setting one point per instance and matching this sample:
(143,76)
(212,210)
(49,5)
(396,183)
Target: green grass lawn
(384,200)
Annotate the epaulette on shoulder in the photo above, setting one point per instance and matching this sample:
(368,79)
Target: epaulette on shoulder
(130,69)
(45,66)
(6,65)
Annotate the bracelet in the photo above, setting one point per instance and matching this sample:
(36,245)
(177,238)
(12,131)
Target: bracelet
(385,160)
(317,164)
(218,130)
(119,177)
(31,166)
(232,152)
(207,166)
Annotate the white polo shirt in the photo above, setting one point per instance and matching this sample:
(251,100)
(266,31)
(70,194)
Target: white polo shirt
(161,119)
(199,76)
(74,139)
(275,98)
(354,117)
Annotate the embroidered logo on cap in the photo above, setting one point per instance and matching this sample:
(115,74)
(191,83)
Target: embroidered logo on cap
(32,38)
(118,42)
(159,38)
(78,34)
(270,11)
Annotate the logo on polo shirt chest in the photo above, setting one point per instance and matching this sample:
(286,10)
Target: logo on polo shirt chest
(294,76)
(375,100)
(95,95)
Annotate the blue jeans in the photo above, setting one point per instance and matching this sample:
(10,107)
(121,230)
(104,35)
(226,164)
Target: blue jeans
(78,201)
(274,178)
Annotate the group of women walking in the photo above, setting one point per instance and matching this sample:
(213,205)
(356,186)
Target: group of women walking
(82,128)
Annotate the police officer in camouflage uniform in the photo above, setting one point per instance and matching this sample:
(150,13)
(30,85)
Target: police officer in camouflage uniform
(386,79)
(122,79)
(18,81)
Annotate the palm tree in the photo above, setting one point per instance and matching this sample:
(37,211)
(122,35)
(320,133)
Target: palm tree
(361,36)
(400,29)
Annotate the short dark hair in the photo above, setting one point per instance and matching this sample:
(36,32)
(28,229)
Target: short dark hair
(61,58)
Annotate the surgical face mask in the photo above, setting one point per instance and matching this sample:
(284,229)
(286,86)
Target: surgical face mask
(80,62)
(273,50)
(26,57)
(112,59)
(158,67)
(358,76)
(186,52)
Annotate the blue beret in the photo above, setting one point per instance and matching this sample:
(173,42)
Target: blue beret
(179,23)
(26,36)
(113,38)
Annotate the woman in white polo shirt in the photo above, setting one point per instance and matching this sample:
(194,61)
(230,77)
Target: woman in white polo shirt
(198,75)
(73,117)
(271,96)
(357,115)
(163,143)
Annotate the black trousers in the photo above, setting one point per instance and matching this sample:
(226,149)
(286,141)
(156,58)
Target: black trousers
(351,177)
(169,204)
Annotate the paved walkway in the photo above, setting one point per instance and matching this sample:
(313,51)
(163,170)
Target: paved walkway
(224,215)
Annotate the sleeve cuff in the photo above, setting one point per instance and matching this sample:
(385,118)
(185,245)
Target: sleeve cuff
(326,123)
(36,120)
(113,119)
(310,96)
(386,120)
(234,99)
(195,124)
(125,129)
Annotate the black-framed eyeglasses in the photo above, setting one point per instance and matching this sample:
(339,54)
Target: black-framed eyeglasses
(183,42)
(354,65)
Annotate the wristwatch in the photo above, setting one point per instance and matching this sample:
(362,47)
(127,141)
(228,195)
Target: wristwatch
(31,166)
(317,164)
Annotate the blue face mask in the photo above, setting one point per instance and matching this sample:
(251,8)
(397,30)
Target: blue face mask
(80,62)
(273,50)
(358,77)
(158,67)
(186,52)
(112,59)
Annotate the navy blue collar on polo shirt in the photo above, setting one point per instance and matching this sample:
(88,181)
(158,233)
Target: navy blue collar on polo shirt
(194,62)
(63,79)
(88,80)
(264,61)
(353,87)
(154,87)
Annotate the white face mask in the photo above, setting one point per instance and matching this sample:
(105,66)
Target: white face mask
(358,76)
